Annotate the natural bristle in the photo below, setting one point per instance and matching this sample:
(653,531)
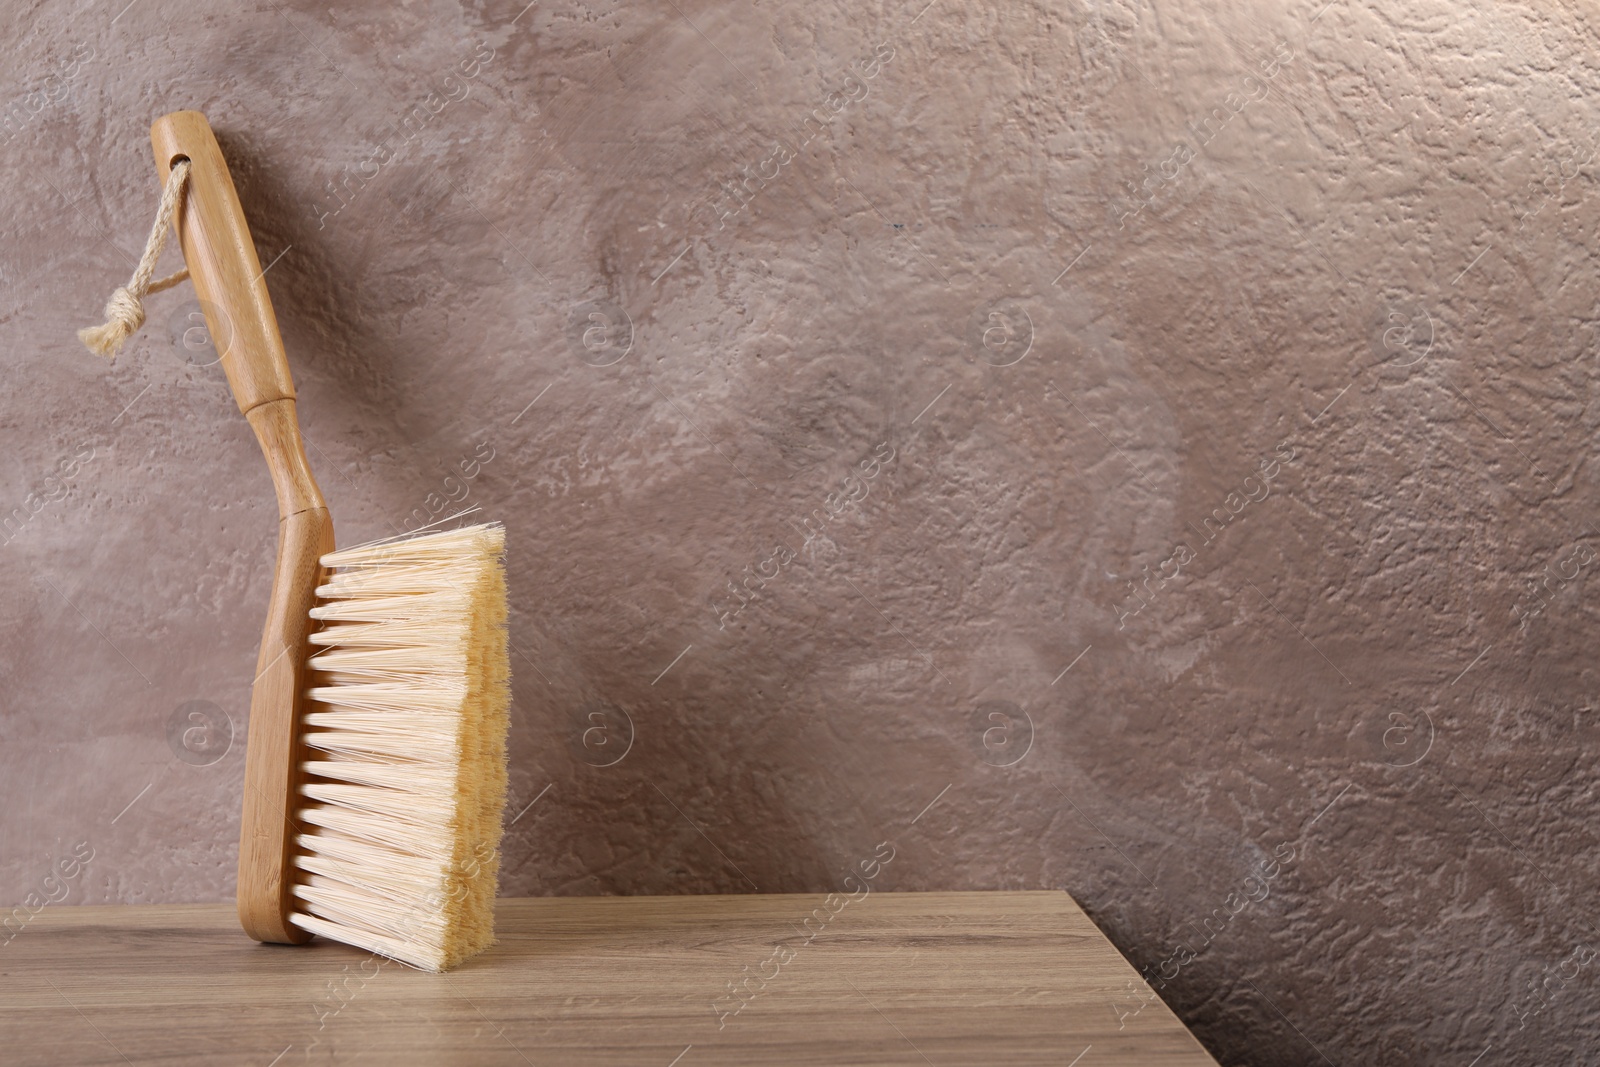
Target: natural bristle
(407,723)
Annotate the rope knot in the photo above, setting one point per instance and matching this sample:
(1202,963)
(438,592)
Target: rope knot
(125,310)
(124,315)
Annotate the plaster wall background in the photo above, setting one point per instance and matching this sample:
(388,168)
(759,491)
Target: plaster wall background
(1058,282)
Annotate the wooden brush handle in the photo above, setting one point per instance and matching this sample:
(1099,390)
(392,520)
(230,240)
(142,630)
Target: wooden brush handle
(222,262)
(233,297)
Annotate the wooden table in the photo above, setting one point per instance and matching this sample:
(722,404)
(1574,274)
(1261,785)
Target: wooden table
(891,978)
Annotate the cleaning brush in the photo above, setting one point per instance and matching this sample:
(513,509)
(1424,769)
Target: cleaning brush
(375,765)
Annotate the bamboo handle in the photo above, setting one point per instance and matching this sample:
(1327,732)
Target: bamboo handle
(222,262)
(233,297)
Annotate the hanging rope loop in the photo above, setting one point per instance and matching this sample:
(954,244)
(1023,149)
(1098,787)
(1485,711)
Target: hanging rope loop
(125,310)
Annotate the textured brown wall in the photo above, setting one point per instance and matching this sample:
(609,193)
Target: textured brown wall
(1057,282)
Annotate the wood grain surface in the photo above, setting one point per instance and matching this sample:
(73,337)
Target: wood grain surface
(891,978)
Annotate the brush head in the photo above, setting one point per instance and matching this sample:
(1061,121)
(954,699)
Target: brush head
(406,730)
